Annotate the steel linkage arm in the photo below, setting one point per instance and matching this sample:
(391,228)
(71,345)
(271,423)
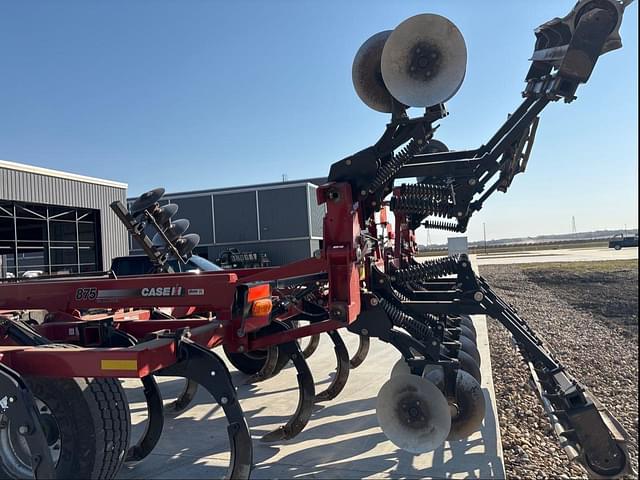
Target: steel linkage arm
(587,431)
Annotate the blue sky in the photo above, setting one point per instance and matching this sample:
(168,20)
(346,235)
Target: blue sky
(199,94)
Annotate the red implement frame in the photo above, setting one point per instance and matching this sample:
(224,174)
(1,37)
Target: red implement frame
(217,292)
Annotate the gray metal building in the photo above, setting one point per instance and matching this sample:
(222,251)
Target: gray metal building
(57,222)
(282,219)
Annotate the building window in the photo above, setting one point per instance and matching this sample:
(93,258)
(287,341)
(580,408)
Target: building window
(48,240)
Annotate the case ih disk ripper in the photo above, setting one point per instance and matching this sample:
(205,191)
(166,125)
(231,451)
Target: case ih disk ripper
(63,412)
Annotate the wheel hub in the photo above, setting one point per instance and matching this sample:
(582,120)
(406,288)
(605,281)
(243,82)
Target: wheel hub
(14,449)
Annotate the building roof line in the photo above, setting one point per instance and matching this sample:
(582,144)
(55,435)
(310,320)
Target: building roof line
(59,174)
(315,182)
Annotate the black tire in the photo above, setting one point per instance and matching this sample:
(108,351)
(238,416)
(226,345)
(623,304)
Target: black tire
(249,363)
(252,362)
(618,247)
(91,424)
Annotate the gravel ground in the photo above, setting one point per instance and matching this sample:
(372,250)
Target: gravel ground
(600,353)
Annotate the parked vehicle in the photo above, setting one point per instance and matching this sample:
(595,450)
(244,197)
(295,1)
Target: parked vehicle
(234,258)
(32,273)
(141,265)
(620,240)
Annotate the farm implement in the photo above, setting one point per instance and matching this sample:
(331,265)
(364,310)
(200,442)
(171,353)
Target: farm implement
(63,411)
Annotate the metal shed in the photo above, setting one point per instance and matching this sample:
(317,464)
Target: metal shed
(282,219)
(57,222)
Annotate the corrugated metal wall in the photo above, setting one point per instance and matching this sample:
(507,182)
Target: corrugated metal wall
(283,213)
(264,218)
(31,187)
(316,212)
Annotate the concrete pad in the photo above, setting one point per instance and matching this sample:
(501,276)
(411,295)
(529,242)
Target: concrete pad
(558,255)
(342,440)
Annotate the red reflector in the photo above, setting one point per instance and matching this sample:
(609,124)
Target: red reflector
(259,291)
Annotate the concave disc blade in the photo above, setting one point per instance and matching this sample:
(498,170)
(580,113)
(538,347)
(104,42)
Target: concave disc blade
(413,413)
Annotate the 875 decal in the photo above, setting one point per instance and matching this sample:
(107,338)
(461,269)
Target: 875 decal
(86,293)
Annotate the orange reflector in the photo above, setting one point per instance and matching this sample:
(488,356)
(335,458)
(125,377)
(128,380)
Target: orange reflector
(262,307)
(259,291)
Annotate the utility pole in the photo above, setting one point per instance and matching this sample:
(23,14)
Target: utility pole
(573,225)
(284,177)
(484,229)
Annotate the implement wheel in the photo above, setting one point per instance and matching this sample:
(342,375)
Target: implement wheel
(249,363)
(86,423)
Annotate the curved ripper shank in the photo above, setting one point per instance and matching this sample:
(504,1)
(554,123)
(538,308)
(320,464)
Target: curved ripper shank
(207,369)
(361,353)
(342,369)
(306,396)
(185,398)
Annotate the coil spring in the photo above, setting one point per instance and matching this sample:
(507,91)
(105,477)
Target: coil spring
(447,226)
(400,319)
(438,193)
(393,166)
(415,286)
(401,297)
(427,270)
(423,207)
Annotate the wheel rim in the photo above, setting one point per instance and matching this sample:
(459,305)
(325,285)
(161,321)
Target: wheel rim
(14,450)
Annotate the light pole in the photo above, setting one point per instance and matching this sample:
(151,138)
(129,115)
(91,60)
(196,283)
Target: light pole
(484,229)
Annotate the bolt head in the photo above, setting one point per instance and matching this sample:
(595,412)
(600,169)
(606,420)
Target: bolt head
(213,373)
(23,430)
(241,349)
(224,400)
(364,331)
(374,302)
(478,296)
(348,162)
